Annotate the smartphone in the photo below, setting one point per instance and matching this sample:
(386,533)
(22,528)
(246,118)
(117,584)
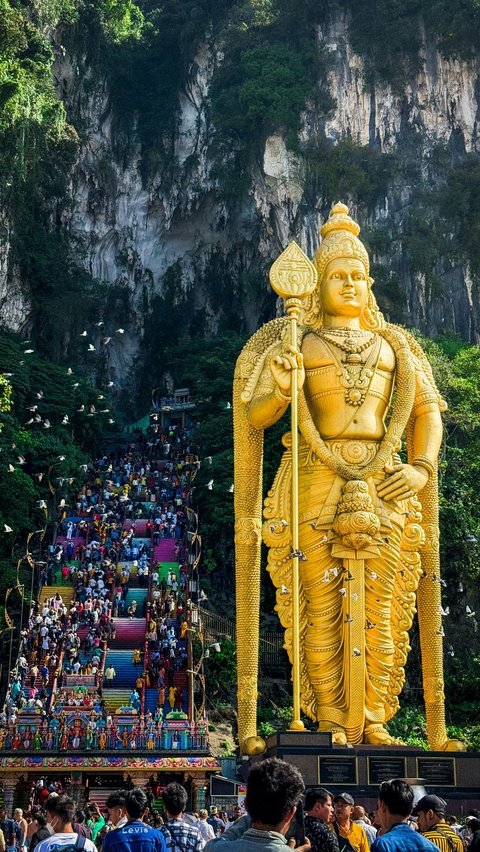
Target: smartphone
(297,826)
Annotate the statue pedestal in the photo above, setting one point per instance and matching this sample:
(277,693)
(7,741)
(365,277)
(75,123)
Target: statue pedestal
(455,776)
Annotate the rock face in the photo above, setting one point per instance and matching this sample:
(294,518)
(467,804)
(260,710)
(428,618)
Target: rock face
(133,234)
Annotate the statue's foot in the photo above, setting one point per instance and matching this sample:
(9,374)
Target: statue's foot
(339,736)
(378,735)
(452,745)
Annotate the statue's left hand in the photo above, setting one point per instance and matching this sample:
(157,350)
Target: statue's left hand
(403,482)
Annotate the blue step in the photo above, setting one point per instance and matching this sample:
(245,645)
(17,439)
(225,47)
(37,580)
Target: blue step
(140,596)
(151,698)
(126,672)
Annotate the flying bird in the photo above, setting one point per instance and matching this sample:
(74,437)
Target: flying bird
(42,504)
(106,340)
(61,458)
(120,331)
(83,334)
(208,459)
(99,324)
(40,394)
(21,460)
(76,385)
(61,504)
(210,485)
(82,408)
(65,420)
(7,529)
(228,406)
(231,489)
(69,372)
(46,423)
(110,384)
(11,468)
(91,348)
(28,351)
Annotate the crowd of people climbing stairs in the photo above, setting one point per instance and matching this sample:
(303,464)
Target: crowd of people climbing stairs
(103,657)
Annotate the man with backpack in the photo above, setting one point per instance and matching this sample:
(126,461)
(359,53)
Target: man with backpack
(180,835)
(60,811)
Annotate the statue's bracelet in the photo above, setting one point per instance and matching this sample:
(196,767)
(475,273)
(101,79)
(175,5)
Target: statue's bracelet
(423,461)
(280,395)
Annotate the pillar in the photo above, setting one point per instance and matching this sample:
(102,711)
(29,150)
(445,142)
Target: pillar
(10,782)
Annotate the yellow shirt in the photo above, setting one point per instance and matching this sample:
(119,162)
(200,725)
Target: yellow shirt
(444,837)
(356,837)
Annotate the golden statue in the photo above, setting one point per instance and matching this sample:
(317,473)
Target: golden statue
(367,543)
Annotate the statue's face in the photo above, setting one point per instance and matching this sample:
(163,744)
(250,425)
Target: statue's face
(344,287)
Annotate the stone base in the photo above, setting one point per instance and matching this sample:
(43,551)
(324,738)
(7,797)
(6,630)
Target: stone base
(455,776)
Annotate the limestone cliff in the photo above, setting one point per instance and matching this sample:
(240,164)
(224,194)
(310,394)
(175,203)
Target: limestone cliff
(175,234)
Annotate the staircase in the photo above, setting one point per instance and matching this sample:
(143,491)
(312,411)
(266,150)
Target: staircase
(126,672)
(66,593)
(130,633)
(99,795)
(151,698)
(140,596)
(115,698)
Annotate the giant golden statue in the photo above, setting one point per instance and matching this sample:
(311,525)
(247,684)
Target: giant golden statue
(367,522)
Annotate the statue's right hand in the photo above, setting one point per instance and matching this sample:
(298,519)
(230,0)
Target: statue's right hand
(281,368)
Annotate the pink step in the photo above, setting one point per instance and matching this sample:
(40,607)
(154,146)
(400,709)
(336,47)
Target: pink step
(164,551)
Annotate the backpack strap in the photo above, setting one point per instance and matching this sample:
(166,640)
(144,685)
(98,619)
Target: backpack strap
(80,841)
(449,840)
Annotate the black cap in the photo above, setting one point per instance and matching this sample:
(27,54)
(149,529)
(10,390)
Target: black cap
(344,797)
(431,803)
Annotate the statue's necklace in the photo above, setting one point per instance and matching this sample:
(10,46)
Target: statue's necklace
(354,376)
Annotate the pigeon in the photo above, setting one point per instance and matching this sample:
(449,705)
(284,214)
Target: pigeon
(284,590)
(231,489)
(11,468)
(110,420)
(445,611)
(104,411)
(76,385)
(29,421)
(7,529)
(373,575)
(228,406)
(61,458)
(106,340)
(92,409)
(37,418)
(65,420)
(82,408)
(357,652)
(120,331)
(32,408)
(469,611)
(42,504)
(47,424)
(110,384)
(99,324)
(21,460)
(460,587)
(441,632)
(69,371)
(91,348)
(83,334)
(100,396)
(39,476)
(208,459)
(61,504)
(343,592)
(348,619)
(370,625)
(210,485)
(28,351)
(40,394)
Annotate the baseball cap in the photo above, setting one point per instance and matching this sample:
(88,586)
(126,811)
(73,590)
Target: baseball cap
(344,797)
(431,803)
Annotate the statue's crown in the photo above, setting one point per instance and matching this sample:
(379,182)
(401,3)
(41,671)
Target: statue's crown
(339,239)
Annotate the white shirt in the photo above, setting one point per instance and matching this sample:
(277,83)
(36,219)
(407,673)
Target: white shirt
(56,841)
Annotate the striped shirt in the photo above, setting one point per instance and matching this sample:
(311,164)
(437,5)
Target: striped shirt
(444,837)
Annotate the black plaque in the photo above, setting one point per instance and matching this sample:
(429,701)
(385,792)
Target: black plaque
(437,771)
(340,771)
(383,768)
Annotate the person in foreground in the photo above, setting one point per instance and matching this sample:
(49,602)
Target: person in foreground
(394,806)
(60,811)
(319,811)
(274,789)
(431,812)
(134,836)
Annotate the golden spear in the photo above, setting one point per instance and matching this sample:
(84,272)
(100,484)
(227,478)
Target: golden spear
(293,277)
